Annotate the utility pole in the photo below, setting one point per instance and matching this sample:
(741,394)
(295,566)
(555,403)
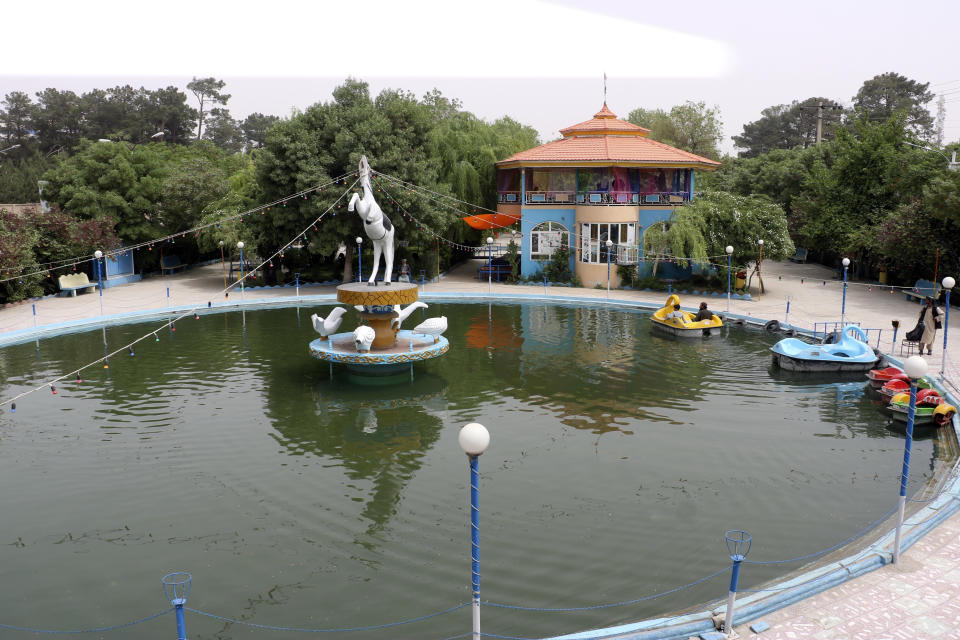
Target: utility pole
(819,121)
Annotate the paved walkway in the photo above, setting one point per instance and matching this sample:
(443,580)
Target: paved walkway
(917,600)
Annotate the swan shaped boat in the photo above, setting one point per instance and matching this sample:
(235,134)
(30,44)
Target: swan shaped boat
(850,353)
(687,326)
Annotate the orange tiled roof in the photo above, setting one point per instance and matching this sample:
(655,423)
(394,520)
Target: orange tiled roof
(605,121)
(605,139)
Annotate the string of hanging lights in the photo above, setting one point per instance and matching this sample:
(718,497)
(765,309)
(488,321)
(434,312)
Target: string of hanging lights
(170,324)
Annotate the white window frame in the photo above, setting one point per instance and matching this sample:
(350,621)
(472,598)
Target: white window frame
(593,237)
(546,238)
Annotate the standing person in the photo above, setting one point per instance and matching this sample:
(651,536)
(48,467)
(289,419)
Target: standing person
(931,322)
(404,271)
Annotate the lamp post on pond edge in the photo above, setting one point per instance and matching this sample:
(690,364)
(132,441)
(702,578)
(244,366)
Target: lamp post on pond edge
(915,367)
(474,440)
(240,247)
(223,265)
(97,255)
(609,245)
(843,304)
(760,270)
(738,544)
(176,586)
(729,268)
(490,264)
(948,283)
(359,259)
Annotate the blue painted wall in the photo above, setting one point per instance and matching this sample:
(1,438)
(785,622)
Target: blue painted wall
(533,217)
(119,264)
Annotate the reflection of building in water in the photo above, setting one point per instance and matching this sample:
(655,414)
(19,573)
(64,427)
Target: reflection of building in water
(377,434)
(603,347)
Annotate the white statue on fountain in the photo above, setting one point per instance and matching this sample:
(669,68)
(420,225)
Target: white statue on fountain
(376,225)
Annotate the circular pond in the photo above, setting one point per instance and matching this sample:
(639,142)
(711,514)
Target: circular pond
(618,459)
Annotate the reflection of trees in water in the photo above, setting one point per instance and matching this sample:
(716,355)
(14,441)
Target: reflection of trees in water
(378,433)
(612,372)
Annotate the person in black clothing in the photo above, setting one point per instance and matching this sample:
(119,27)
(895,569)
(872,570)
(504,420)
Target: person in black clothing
(704,313)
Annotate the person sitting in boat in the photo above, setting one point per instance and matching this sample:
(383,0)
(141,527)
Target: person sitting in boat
(676,313)
(704,313)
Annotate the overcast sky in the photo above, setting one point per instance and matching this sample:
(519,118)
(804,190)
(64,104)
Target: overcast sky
(538,61)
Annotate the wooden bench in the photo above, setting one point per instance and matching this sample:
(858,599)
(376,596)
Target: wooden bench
(799,257)
(75,282)
(921,290)
(171,264)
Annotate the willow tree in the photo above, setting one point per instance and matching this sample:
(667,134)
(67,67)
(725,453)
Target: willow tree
(680,238)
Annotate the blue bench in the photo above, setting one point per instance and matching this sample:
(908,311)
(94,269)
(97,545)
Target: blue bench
(922,289)
(171,264)
(799,257)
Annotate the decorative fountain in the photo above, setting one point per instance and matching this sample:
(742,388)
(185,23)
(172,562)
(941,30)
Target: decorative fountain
(377,347)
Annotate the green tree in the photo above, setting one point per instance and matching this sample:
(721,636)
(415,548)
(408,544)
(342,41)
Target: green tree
(208,92)
(166,110)
(787,126)
(691,126)
(889,93)
(680,237)
(33,238)
(858,180)
(223,131)
(58,120)
(117,180)
(194,178)
(19,176)
(16,120)
(741,221)
(326,141)
(255,128)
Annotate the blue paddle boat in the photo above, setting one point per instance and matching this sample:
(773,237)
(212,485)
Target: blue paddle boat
(850,353)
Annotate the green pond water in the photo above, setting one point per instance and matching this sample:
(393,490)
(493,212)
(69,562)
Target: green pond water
(618,458)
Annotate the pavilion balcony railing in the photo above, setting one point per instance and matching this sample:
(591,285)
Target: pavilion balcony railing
(646,198)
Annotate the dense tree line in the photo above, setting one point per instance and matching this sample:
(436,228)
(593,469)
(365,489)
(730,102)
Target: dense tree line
(103,167)
(876,189)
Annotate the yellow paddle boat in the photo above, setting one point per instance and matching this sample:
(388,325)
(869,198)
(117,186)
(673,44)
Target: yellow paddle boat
(684,323)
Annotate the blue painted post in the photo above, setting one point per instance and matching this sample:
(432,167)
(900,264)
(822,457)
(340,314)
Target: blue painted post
(96,259)
(34,315)
(489,264)
(896,325)
(786,317)
(669,288)
(296,277)
(242,276)
(738,544)
(948,284)
(168,297)
(609,245)
(176,586)
(915,367)
(729,270)
(359,259)
(843,305)
(544,284)
(474,439)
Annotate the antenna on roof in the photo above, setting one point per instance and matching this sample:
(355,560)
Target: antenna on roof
(604,87)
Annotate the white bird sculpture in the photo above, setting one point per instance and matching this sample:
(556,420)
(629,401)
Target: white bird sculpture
(432,327)
(405,312)
(328,326)
(363,337)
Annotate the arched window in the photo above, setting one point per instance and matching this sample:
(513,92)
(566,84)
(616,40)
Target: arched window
(546,238)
